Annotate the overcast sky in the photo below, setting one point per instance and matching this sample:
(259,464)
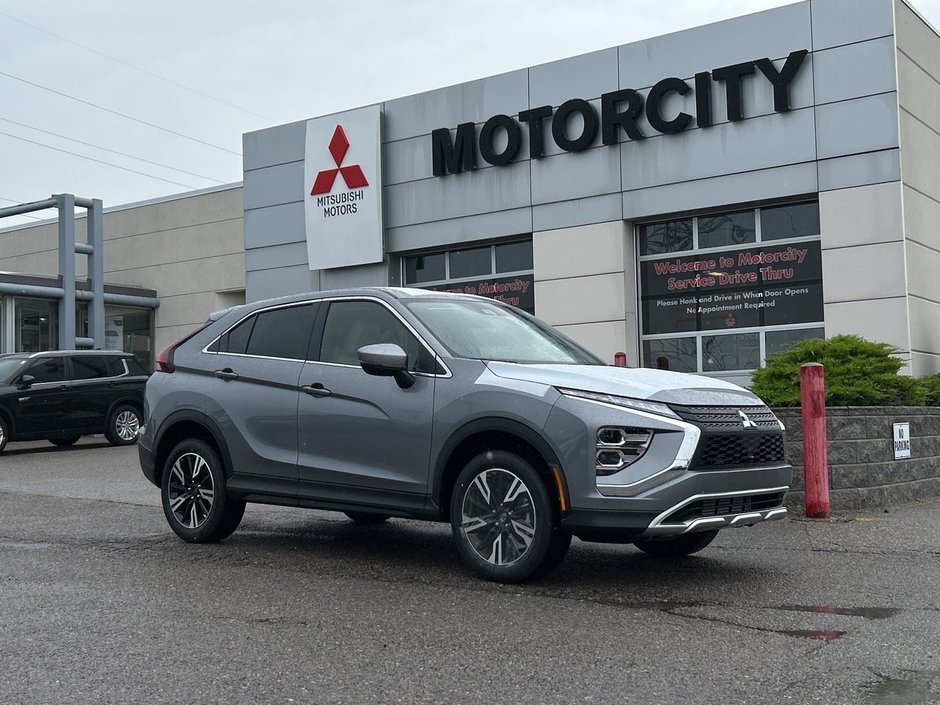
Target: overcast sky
(278,61)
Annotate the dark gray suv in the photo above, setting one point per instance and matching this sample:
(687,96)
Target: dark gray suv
(410,403)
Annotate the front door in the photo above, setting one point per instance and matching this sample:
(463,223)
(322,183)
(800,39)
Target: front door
(42,410)
(364,437)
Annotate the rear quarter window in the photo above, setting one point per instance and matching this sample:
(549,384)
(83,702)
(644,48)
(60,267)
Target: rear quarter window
(90,367)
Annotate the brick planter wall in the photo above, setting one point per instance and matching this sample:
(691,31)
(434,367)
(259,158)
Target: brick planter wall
(862,470)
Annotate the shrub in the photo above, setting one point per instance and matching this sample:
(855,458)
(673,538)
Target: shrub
(931,387)
(859,372)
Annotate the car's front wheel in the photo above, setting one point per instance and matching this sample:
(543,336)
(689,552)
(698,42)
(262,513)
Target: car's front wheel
(4,434)
(195,501)
(123,426)
(502,519)
(676,547)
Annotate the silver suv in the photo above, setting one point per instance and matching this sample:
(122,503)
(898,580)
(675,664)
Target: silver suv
(410,403)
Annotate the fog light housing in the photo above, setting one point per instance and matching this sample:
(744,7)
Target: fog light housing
(618,447)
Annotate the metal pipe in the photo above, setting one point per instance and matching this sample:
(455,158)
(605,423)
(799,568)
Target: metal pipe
(43,292)
(82,249)
(120,299)
(84,342)
(28,207)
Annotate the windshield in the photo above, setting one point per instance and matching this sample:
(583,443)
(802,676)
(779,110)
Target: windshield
(481,330)
(9,365)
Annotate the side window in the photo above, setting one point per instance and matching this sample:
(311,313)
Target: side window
(48,369)
(282,332)
(89,367)
(116,367)
(353,324)
(236,340)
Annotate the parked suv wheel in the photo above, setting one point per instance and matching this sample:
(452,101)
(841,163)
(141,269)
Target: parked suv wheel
(123,425)
(502,519)
(195,502)
(676,547)
(4,434)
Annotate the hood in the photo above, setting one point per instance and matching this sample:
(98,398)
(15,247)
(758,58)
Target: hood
(638,383)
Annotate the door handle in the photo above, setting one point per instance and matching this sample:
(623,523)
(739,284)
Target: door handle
(227,374)
(316,390)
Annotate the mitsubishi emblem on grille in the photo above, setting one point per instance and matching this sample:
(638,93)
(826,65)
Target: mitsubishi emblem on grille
(745,420)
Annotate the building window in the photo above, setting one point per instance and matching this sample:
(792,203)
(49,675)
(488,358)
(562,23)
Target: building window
(502,272)
(130,330)
(721,292)
(35,324)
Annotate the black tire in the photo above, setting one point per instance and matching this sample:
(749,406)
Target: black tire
(676,547)
(4,434)
(195,502)
(123,425)
(365,518)
(65,441)
(503,519)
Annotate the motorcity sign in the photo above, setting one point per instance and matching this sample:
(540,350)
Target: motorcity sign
(500,138)
(343,189)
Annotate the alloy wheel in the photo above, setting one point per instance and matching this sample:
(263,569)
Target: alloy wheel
(127,425)
(191,490)
(498,517)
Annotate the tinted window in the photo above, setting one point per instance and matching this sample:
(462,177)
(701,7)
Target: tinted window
(514,256)
(89,367)
(800,220)
(236,340)
(48,369)
(730,352)
(726,230)
(352,324)
(424,268)
(282,332)
(672,236)
(470,263)
(116,367)
(676,354)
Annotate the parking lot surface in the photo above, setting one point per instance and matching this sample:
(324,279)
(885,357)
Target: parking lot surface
(101,603)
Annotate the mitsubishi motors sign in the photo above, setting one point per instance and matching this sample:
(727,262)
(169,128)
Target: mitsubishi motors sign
(343,188)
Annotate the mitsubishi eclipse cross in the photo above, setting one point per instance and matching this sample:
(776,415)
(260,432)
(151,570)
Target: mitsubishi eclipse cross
(410,403)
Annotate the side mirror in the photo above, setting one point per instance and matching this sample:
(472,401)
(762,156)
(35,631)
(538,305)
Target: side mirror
(386,360)
(26,381)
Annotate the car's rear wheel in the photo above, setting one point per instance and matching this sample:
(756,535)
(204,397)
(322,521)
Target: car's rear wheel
(4,434)
(502,519)
(365,518)
(195,501)
(123,426)
(65,441)
(676,547)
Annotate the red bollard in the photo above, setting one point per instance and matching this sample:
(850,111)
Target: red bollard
(620,359)
(815,453)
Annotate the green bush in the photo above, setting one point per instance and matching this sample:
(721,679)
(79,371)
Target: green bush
(858,372)
(931,387)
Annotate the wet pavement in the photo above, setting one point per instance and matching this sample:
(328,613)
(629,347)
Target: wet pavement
(100,603)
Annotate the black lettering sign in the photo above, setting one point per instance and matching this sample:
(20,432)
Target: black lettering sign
(450,157)
(488,136)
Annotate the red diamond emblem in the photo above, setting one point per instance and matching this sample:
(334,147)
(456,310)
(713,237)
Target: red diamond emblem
(352,174)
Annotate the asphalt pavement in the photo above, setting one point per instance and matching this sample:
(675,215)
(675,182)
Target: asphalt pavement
(101,603)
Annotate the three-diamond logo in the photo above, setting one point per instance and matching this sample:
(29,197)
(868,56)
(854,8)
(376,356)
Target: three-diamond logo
(352,174)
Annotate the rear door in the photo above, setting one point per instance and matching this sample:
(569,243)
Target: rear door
(252,395)
(363,437)
(91,393)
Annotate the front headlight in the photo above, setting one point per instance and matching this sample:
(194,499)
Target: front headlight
(650,407)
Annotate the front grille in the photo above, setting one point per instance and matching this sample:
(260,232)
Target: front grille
(727,418)
(724,450)
(725,506)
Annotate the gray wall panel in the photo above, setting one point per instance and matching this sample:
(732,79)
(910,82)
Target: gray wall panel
(274,256)
(446,107)
(269,283)
(759,143)
(460,230)
(916,39)
(833,26)
(284,143)
(861,125)
(774,34)
(457,195)
(586,76)
(781,182)
(590,173)
(275,185)
(407,160)
(855,70)
(347,277)
(584,211)
(275,225)
(860,170)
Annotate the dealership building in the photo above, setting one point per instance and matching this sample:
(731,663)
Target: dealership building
(697,200)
